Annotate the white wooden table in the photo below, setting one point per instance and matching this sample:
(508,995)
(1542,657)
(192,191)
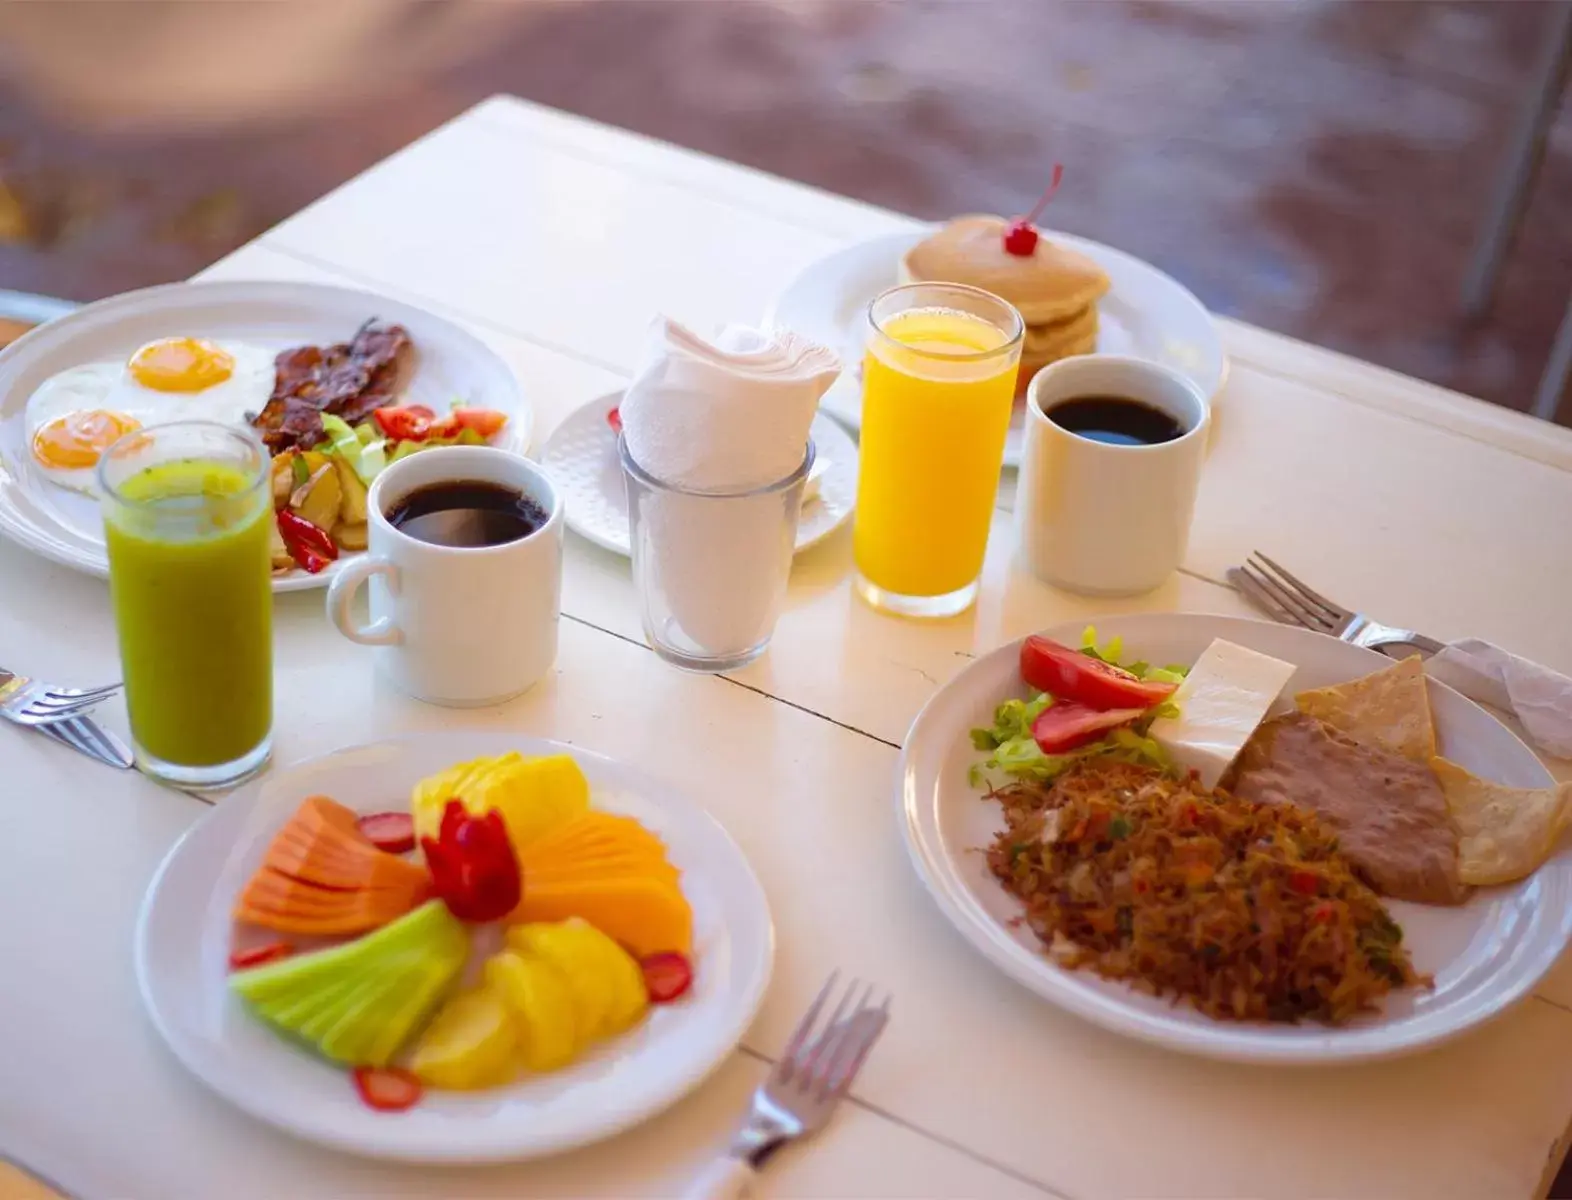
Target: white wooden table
(555,239)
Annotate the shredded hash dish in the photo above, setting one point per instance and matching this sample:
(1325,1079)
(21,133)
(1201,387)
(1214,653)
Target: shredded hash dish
(1247,910)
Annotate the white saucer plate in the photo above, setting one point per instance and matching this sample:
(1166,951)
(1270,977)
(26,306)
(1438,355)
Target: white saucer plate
(184,934)
(450,365)
(1485,955)
(581,456)
(1145,313)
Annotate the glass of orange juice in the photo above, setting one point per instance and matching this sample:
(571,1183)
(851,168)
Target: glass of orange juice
(938,387)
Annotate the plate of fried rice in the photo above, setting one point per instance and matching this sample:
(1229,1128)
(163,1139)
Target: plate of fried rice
(1183,916)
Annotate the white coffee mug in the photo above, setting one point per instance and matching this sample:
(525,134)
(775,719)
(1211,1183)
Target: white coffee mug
(457,625)
(1108,520)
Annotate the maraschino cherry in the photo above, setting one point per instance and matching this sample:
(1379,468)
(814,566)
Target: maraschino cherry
(1020,239)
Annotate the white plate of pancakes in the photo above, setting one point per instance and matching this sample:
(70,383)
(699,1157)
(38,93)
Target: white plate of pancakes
(1140,312)
(1485,954)
(56,514)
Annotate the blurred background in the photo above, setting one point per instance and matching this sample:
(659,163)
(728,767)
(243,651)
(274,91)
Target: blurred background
(1321,167)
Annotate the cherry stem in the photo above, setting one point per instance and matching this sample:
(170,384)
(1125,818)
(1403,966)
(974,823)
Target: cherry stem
(1053,186)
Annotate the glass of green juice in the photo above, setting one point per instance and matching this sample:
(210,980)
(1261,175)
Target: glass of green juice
(188,515)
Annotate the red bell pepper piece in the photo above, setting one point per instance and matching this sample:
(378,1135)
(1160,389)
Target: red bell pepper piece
(473,867)
(309,545)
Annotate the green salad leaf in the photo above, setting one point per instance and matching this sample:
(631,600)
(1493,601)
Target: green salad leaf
(1112,651)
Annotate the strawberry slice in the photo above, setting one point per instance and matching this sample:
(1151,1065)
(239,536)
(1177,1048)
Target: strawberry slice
(390,831)
(614,419)
(667,976)
(239,960)
(387,1089)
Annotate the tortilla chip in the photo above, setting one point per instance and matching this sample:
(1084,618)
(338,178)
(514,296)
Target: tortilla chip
(1504,833)
(1389,709)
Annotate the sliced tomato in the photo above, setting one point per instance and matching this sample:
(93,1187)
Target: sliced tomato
(666,976)
(1070,675)
(1064,725)
(387,1089)
(406,422)
(390,831)
(487,422)
(239,960)
(614,419)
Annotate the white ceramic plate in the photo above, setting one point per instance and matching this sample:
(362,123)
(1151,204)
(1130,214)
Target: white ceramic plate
(581,456)
(1485,955)
(62,525)
(184,934)
(1144,313)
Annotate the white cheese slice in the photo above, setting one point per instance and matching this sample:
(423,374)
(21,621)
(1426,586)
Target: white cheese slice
(1220,702)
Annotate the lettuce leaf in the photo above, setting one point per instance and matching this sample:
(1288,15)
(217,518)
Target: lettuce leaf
(1112,651)
(1021,758)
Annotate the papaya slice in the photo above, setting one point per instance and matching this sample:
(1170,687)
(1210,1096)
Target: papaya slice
(321,875)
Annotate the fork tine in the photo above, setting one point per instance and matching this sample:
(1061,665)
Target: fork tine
(98,693)
(52,710)
(859,1034)
(1337,612)
(840,1079)
(1259,596)
(838,1030)
(800,1035)
(832,1032)
(1303,613)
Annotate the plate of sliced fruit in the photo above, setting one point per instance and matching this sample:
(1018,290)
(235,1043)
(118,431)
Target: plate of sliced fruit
(455,947)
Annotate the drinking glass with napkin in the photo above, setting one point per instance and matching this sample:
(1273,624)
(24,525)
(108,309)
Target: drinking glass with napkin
(716,452)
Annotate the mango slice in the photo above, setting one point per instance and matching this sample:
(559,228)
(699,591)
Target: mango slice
(646,913)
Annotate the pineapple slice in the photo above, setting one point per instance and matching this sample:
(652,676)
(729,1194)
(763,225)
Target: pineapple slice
(472,1043)
(541,1003)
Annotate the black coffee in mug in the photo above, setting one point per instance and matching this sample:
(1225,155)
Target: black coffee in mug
(466,513)
(1116,420)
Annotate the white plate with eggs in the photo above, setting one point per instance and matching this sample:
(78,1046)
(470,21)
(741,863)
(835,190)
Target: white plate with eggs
(69,387)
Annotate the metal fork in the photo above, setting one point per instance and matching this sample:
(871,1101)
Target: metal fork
(1280,595)
(86,735)
(32,702)
(800,1094)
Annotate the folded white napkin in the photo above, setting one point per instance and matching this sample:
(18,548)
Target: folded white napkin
(1539,697)
(728,414)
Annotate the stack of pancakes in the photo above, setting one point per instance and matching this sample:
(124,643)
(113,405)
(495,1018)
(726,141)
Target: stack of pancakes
(1054,288)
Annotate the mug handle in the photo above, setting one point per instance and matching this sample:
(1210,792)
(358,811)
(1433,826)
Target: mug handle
(341,594)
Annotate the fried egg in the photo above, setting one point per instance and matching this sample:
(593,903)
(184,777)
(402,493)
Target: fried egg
(74,416)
